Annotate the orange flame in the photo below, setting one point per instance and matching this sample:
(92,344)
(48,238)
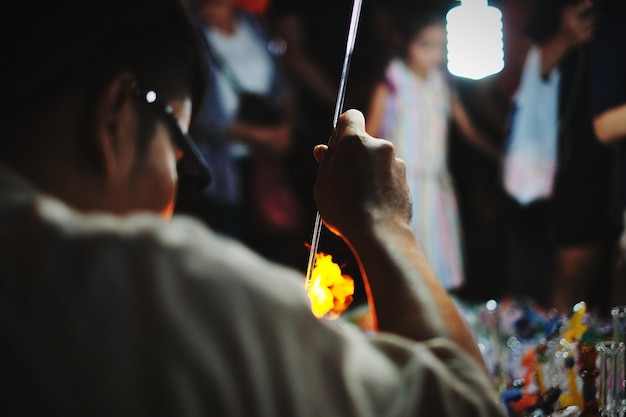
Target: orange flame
(330,291)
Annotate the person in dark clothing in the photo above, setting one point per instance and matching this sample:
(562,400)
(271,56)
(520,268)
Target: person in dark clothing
(557,245)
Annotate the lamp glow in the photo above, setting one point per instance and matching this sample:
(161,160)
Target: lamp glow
(475,39)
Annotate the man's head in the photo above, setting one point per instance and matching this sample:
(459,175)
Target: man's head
(88,92)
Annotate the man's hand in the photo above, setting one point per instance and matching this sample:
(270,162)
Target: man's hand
(360,182)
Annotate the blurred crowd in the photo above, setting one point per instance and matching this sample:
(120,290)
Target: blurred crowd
(275,70)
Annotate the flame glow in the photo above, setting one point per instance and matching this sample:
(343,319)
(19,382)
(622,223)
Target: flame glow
(330,291)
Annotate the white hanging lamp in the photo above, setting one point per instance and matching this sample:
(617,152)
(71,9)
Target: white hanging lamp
(475,39)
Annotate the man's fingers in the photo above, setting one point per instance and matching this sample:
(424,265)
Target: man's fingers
(319,152)
(351,122)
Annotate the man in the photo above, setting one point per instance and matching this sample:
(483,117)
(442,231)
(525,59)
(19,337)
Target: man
(109,308)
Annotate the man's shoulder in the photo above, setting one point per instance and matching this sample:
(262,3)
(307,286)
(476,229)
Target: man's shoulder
(183,245)
(50,248)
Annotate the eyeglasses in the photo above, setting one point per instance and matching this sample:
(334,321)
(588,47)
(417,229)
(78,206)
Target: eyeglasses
(193,171)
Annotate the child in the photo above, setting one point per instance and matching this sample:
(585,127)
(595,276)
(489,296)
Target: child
(413,106)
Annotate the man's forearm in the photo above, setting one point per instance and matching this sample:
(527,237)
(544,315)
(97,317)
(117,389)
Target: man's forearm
(610,126)
(406,296)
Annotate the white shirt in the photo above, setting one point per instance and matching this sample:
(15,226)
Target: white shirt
(249,59)
(137,316)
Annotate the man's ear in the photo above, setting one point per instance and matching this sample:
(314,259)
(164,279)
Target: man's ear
(115,124)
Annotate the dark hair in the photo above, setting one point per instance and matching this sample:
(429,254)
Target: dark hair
(605,7)
(76,45)
(545,19)
(410,25)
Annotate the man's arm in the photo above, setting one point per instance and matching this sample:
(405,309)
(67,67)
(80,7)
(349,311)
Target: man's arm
(362,196)
(610,126)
